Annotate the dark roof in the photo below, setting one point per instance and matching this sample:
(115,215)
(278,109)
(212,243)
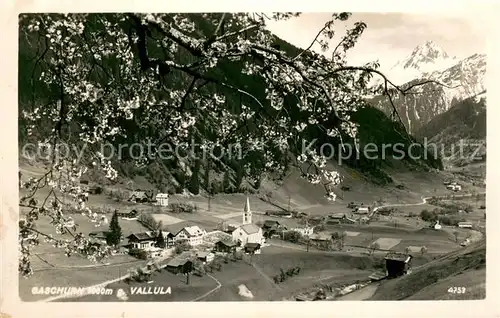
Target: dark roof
(271,223)
(252,246)
(177,262)
(98,234)
(397,257)
(227,243)
(141,236)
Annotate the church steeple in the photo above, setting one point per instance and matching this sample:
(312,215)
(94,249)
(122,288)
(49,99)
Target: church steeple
(247,213)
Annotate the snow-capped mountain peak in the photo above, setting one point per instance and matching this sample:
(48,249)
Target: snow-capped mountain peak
(424,54)
(424,59)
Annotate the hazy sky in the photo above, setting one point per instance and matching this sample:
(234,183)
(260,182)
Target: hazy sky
(392,36)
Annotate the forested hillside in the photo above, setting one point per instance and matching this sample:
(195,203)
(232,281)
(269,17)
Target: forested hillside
(216,80)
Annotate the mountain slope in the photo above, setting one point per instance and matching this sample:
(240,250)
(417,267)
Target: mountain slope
(463,124)
(463,79)
(175,174)
(426,281)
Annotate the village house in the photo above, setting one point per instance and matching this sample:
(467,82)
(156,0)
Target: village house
(140,196)
(335,218)
(348,220)
(465,225)
(127,215)
(397,264)
(248,232)
(252,248)
(143,241)
(99,236)
(162,199)
(225,246)
(340,218)
(147,240)
(192,234)
(304,231)
(205,257)
(180,266)
(271,225)
(321,237)
(362,210)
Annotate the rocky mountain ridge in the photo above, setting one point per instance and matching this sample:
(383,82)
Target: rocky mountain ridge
(461,80)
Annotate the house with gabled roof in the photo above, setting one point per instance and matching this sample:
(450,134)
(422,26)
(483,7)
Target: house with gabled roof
(143,240)
(224,246)
(192,234)
(147,240)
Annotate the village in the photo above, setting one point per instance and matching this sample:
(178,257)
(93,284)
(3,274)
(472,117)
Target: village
(191,243)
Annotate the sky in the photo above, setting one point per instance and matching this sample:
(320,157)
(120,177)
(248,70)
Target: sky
(390,37)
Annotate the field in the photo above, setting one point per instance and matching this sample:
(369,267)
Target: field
(317,269)
(396,232)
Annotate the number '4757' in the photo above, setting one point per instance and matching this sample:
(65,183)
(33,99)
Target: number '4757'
(456,290)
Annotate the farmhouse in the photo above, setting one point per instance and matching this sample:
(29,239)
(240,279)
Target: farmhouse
(205,257)
(321,237)
(397,264)
(162,199)
(128,215)
(143,241)
(138,196)
(465,225)
(99,235)
(147,240)
(182,266)
(225,246)
(336,216)
(252,248)
(271,225)
(192,234)
(347,220)
(362,210)
(305,231)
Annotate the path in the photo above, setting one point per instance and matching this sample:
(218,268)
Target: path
(424,201)
(219,285)
(360,294)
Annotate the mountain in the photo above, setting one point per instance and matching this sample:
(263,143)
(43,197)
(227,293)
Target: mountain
(424,59)
(464,78)
(464,123)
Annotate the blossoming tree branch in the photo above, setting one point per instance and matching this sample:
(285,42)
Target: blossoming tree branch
(170,78)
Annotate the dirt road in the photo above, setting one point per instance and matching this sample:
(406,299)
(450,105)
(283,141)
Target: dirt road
(361,294)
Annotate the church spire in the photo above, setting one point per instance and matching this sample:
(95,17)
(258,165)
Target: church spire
(247,213)
(247,206)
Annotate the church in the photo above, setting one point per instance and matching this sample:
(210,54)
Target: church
(248,232)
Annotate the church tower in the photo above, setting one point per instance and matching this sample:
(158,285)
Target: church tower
(247,213)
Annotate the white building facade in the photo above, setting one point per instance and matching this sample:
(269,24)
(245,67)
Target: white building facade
(162,199)
(192,234)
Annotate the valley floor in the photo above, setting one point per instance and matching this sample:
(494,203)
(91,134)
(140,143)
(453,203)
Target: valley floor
(399,231)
